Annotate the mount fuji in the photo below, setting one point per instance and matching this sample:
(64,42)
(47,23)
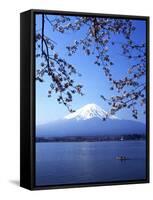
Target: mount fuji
(89,111)
(88,121)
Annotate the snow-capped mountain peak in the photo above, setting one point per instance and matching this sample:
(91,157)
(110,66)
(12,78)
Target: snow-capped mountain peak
(89,111)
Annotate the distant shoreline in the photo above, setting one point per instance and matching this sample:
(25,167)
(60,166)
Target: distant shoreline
(91,138)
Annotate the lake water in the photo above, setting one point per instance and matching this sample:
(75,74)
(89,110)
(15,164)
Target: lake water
(89,162)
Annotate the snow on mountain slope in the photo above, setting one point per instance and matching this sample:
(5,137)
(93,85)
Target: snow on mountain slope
(89,111)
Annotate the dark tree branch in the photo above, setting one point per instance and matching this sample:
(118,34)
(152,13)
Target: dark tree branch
(42,33)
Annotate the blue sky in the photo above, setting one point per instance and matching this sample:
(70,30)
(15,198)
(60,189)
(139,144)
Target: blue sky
(93,79)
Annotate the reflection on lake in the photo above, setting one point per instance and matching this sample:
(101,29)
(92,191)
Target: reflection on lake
(87,162)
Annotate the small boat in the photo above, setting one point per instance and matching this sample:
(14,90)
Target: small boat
(121,158)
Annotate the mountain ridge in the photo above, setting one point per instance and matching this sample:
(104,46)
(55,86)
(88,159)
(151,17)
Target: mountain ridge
(89,111)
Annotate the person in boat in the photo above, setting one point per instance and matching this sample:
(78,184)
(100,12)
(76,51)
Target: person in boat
(121,158)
